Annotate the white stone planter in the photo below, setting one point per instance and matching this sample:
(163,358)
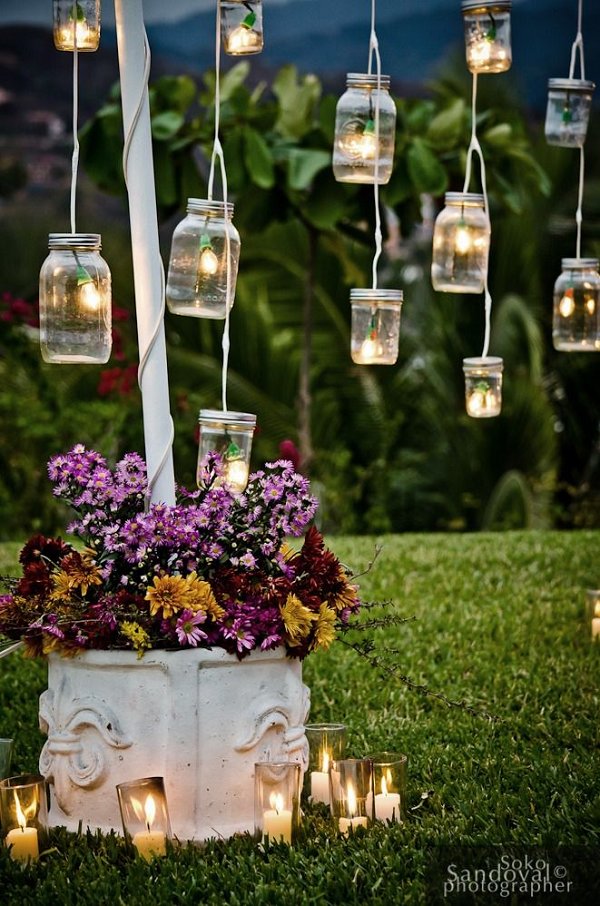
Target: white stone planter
(200,719)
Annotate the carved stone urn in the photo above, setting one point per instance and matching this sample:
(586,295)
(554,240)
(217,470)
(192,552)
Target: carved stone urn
(199,719)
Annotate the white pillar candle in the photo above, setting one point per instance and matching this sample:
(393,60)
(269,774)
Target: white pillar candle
(24,844)
(387,806)
(595,627)
(150,844)
(319,787)
(277,821)
(346,824)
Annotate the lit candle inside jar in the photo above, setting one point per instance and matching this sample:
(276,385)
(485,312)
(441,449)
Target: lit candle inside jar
(148,843)
(23,840)
(277,821)
(353,821)
(387,805)
(595,627)
(319,781)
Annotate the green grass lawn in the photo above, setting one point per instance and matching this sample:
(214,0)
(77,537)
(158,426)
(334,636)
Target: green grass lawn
(498,623)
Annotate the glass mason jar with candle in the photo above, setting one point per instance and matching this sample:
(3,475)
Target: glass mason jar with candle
(461,244)
(351,791)
(76,24)
(24,815)
(241,27)
(197,278)
(483,386)
(277,800)
(145,816)
(576,317)
(375,325)
(75,301)
(487,35)
(389,781)
(355,143)
(568,112)
(326,744)
(229,434)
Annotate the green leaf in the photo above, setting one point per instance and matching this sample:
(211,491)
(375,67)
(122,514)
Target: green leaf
(499,136)
(164,177)
(233,79)
(446,129)
(259,162)
(304,164)
(297,102)
(327,202)
(167,124)
(424,169)
(175,92)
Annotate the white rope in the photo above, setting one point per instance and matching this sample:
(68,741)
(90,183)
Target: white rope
(579,212)
(75,157)
(145,353)
(378,235)
(578,45)
(217,152)
(475,148)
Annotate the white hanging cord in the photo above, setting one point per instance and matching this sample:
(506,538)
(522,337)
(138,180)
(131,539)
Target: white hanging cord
(579,212)
(75,157)
(475,148)
(145,353)
(578,45)
(217,152)
(374,44)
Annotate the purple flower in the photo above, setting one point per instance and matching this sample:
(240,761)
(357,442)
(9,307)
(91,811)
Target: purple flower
(187,628)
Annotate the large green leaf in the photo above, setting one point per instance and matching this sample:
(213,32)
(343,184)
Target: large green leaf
(297,102)
(304,164)
(447,127)
(424,168)
(259,162)
(166,124)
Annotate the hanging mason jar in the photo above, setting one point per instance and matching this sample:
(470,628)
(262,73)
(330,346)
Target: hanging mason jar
(229,434)
(568,111)
(197,279)
(75,301)
(461,244)
(375,325)
(355,143)
(483,386)
(241,27)
(76,24)
(576,320)
(487,35)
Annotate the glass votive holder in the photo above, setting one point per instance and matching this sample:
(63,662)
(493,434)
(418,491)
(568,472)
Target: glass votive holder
(277,800)
(242,27)
(592,608)
(229,434)
(357,155)
(483,386)
(375,326)
(23,815)
(351,791)
(576,308)
(76,25)
(326,744)
(75,301)
(389,781)
(145,815)
(568,112)
(487,35)
(461,244)
(6,750)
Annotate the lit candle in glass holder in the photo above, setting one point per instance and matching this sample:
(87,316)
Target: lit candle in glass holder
(277,800)
(326,743)
(576,314)
(352,793)
(375,326)
(483,386)
(145,816)
(355,147)
(487,35)
(461,244)
(229,434)
(23,815)
(241,27)
(389,776)
(592,598)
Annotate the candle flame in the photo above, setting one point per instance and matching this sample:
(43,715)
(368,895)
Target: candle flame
(384,787)
(463,241)
(352,804)
(21,819)
(276,802)
(150,810)
(325,762)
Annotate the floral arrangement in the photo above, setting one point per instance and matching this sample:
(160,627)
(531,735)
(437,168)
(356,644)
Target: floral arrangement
(212,571)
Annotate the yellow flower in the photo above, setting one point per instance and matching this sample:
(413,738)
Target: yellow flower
(137,635)
(347,597)
(82,572)
(297,619)
(325,628)
(286,551)
(201,597)
(169,595)
(63,585)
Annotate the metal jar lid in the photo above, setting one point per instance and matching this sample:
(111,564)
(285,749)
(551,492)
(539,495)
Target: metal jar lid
(582,264)
(485,5)
(583,85)
(464,198)
(488,363)
(377,296)
(209,207)
(367,80)
(243,419)
(75,241)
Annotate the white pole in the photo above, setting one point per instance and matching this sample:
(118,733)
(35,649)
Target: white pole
(147,265)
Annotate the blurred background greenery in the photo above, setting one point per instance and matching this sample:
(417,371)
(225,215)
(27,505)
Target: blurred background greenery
(388,448)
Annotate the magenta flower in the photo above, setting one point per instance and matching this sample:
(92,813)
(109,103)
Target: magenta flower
(187,628)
